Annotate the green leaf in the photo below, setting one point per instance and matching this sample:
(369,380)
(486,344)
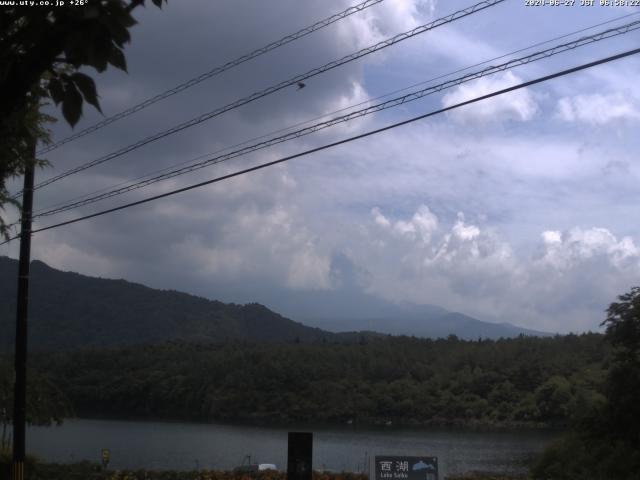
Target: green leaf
(116,58)
(87,87)
(75,49)
(72,104)
(119,32)
(95,60)
(99,48)
(55,90)
(122,16)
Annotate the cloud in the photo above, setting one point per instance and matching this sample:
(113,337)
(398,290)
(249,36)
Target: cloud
(566,250)
(564,286)
(242,230)
(383,21)
(421,226)
(597,109)
(379,218)
(523,183)
(258,241)
(518,106)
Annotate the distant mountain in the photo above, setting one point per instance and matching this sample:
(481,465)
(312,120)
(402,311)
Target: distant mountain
(68,310)
(350,308)
(345,303)
(431,324)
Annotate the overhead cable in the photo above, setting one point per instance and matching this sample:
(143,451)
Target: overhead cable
(287,83)
(344,141)
(325,115)
(416,95)
(213,72)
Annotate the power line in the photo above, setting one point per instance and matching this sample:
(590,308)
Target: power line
(606,34)
(346,140)
(43,211)
(215,71)
(292,81)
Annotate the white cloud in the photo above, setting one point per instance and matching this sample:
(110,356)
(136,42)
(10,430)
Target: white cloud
(355,96)
(597,109)
(387,19)
(469,268)
(425,223)
(380,218)
(421,226)
(461,242)
(565,251)
(465,232)
(254,241)
(519,105)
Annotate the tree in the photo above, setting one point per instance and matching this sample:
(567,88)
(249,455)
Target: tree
(605,443)
(16,150)
(553,399)
(47,404)
(42,50)
(622,387)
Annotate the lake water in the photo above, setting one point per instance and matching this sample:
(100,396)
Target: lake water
(186,446)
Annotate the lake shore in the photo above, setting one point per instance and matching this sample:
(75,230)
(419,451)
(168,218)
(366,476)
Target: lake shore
(192,446)
(38,470)
(479,425)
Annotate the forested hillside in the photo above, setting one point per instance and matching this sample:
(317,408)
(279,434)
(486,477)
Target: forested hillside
(68,310)
(541,381)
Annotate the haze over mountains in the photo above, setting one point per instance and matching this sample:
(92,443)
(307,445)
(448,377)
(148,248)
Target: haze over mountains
(68,310)
(353,310)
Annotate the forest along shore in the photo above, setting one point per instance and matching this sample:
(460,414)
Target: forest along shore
(525,381)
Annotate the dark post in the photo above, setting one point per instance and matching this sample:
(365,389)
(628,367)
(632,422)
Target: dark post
(20,386)
(300,456)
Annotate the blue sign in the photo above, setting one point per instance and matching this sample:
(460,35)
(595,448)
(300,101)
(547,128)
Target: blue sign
(389,467)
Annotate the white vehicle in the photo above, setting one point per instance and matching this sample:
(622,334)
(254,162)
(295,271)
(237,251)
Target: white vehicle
(247,466)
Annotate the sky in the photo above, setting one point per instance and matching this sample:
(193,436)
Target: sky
(522,208)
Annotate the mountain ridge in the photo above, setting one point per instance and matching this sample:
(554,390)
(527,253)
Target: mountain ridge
(434,326)
(117,312)
(69,310)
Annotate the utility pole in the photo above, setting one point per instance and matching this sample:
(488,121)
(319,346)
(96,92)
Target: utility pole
(20,385)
